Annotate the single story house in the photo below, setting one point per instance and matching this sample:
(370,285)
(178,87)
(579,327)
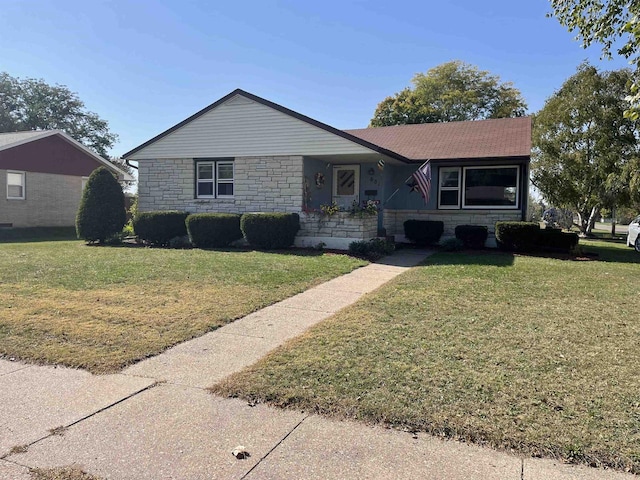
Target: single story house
(246,154)
(42,175)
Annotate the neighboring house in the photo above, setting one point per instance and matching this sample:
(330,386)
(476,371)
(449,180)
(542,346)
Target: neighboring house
(42,175)
(246,154)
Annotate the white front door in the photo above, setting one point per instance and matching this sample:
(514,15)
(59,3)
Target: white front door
(346,185)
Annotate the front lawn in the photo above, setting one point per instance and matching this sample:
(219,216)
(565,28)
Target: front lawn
(534,354)
(101,308)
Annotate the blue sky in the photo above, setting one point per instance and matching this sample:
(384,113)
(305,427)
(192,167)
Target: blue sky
(144,66)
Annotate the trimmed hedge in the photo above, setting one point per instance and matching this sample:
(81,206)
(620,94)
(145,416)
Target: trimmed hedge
(423,232)
(157,228)
(213,230)
(472,236)
(555,240)
(517,236)
(270,230)
(529,237)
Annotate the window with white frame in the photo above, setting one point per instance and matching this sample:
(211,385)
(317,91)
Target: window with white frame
(15,185)
(490,187)
(449,191)
(214,178)
(224,173)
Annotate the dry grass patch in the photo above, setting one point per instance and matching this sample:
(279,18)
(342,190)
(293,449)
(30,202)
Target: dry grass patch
(103,308)
(61,473)
(534,354)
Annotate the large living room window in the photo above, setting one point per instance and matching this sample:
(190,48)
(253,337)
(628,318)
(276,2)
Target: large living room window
(214,178)
(15,185)
(490,187)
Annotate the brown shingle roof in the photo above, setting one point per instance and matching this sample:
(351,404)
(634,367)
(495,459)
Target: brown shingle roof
(504,137)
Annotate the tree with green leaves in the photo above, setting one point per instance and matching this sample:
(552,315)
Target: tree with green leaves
(615,24)
(450,92)
(102,211)
(31,104)
(583,146)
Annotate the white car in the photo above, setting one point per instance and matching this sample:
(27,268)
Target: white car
(633,237)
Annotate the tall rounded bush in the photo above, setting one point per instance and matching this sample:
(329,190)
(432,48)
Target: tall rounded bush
(213,230)
(158,227)
(102,213)
(270,230)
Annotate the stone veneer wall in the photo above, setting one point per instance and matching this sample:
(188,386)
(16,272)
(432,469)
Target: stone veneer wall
(261,184)
(394,219)
(335,231)
(50,201)
(340,224)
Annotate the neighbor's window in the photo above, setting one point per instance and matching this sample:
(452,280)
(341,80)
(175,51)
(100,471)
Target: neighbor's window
(449,191)
(490,187)
(15,185)
(214,179)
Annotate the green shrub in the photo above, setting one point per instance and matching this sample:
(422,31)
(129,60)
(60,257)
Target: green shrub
(452,245)
(158,228)
(372,249)
(472,236)
(213,230)
(101,214)
(270,230)
(180,243)
(529,237)
(555,240)
(423,232)
(517,236)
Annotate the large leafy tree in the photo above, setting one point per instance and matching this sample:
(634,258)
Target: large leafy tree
(450,92)
(32,104)
(584,148)
(615,25)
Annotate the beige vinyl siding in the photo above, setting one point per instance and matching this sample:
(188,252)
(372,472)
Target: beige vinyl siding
(241,127)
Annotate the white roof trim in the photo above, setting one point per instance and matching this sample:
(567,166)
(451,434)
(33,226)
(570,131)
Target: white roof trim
(47,133)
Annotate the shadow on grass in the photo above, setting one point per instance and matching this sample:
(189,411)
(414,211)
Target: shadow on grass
(487,257)
(37,234)
(610,251)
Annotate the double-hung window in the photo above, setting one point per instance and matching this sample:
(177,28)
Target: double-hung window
(15,185)
(449,191)
(214,179)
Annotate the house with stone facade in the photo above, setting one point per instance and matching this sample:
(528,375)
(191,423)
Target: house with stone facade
(42,175)
(244,153)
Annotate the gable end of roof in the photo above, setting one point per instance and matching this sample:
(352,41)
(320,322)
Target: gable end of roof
(280,108)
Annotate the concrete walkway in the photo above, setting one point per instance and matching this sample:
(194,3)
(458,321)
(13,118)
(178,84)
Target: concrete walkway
(155,420)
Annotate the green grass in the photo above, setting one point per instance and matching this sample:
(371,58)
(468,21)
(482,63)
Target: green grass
(101,308)
(534,354)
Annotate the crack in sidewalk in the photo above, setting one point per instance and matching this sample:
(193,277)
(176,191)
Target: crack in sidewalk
(274,447)
(65,427)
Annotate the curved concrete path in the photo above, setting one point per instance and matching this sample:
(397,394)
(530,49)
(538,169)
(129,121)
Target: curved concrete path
(155,420)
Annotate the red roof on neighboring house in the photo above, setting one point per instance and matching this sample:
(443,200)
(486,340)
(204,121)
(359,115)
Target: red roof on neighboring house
(503,137)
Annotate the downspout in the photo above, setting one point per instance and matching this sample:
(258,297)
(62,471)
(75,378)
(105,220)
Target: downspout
(132,166)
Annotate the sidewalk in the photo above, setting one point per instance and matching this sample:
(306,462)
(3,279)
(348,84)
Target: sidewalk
(155,420)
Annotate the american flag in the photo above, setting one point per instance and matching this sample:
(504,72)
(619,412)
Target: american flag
(422,178)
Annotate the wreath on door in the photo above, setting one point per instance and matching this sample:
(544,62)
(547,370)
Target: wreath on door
(319,178)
